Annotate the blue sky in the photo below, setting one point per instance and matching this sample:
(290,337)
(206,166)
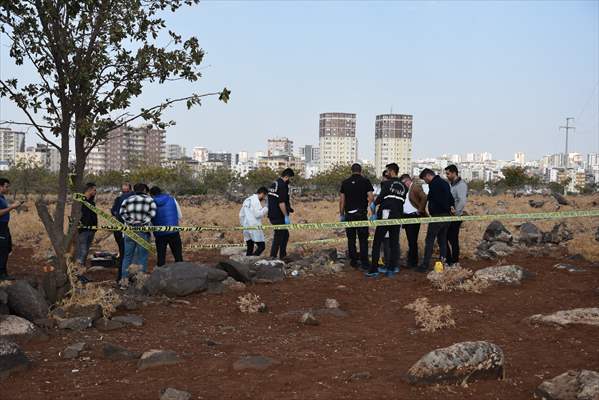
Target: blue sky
(477,76)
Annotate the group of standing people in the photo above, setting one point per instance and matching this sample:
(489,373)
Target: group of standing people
(401,197)
(137,206)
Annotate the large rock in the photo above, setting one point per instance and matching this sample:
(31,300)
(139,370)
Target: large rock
(571,385)
(561,200)
(530,234)
(182,279)
(73,350)
(505,274)
(157,358)
(269,271)
(558,234)
(26,302)
(130,319)
(174,394)
(75,323)
(252,270)
(536,203)
(239,271)
(576,316)
(12,359)
(466,360)
(16,328)
(497,232)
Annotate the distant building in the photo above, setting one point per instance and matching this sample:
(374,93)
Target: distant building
(280,147)
(11,143)
(309,153)
(393,141)
(221,157)
(127,148)
(200,154)
(175,152)
(280,162)
(242,157)
(50,156)
(337,139)
(519,158)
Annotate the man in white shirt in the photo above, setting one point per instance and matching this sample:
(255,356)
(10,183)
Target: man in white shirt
(251,214)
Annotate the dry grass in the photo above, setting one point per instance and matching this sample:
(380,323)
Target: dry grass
(28,231)
(457,278)
(250,303)
(431,318)
(90,294)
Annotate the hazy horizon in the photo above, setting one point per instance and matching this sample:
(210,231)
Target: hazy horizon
(499,77)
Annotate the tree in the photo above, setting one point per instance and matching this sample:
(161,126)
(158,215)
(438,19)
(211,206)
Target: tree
(478,185)
(91,58)
(258,177)
(28,176)
(219,180)
(330,180)
(514,177)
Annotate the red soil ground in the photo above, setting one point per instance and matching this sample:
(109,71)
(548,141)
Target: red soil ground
(378,336)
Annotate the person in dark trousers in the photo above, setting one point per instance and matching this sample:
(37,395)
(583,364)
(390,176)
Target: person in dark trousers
(355,196)
(385,244)
(414,207)
(126,191)
(391,201)
(168,213)
(440,203)
(88,221)
(5,238)
(279,209)
(251,214)
(459,191)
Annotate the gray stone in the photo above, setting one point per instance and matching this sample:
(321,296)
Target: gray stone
(536,203)
(597,234)
(130,319)
(236,270)
(558,234)
(93,311)
(564,318)
(182,279)
(309,319)
(12,359)
(458,363)
(232,251)
(561,200)
(74,324)
(3,296)
(269,271)
(568,268)
(73,351)
(360,376)
(505,274)
(4,309)
(572,385)
(331,303)
(157,358)
(497,232)
(15,328)
(25,301)
(232,284)
(254,363)
(530,234)
(174,394)
(117,353)
(107,325)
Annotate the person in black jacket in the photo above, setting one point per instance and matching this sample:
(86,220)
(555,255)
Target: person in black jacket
(126,191)
(440,203)
(355,196)
(279,209)
(88,221)
(390,200)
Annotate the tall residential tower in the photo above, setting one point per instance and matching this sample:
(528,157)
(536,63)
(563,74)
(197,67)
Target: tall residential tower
(393,142)
(337,139)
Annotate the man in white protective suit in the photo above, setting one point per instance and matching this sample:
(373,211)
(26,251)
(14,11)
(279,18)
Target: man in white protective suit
(251,214)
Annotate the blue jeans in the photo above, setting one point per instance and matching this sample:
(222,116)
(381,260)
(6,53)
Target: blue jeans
(84,239)
(134,253)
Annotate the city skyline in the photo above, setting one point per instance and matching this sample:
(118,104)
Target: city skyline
(454,66)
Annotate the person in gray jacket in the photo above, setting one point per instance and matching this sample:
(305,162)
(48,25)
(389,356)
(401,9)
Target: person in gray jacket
(459,191)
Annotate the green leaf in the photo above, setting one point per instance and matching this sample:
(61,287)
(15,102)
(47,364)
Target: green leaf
(224,95)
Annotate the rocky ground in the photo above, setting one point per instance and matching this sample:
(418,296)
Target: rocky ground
(321,332)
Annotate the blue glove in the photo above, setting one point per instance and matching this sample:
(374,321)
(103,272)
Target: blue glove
(287,220)
(342,218)
(373,207)
(373,217)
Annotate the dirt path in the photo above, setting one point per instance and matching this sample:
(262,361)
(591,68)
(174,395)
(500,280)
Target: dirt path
(378,336)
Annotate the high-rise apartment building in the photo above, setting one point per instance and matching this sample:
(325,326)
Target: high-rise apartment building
(225,158)
(309,154)
(175,152)
(519,158)
(337,139)
(127,148)
(280,147)
(11,143)
(393,141)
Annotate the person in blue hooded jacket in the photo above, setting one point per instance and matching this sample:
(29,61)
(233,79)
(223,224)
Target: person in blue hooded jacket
(168,213)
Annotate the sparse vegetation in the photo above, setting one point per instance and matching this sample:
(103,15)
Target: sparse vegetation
(250,303)
(431,318)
